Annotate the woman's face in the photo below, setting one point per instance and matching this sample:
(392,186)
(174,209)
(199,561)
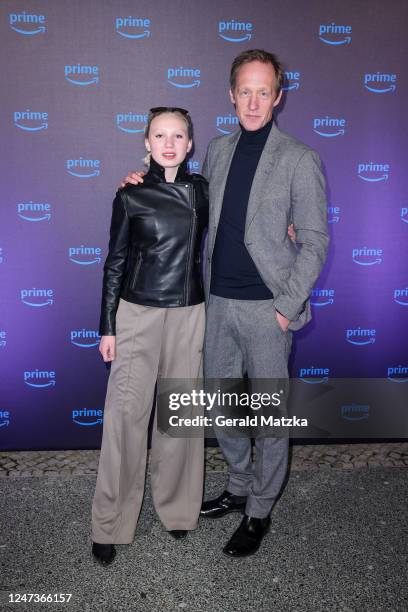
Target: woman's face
(168,140)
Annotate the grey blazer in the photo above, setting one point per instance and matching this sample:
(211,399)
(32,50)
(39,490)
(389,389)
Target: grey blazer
(288,187)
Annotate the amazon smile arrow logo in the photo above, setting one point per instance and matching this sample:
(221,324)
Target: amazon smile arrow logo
(235,31)
(333,34)
(380,82)
(184,73)
(329,127)
(135,27)
(27,24)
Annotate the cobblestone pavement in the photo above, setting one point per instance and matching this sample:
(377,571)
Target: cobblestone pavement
(307,457)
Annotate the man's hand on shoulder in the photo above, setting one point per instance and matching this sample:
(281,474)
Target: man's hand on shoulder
(134,178)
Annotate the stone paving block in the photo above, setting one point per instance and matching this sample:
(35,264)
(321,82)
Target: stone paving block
(360,464)
(331,452)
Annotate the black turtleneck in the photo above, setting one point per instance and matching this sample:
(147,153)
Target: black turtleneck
(233,272)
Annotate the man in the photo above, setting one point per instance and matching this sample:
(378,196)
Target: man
(258,283)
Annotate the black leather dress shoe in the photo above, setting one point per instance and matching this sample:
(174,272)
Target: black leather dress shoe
(178,534)
(248,537)
(104,553)
(222,505)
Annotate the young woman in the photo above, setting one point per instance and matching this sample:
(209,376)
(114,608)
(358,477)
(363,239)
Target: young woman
(152,325)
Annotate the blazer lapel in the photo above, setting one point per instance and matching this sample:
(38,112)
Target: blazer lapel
(219,175)
(264,175)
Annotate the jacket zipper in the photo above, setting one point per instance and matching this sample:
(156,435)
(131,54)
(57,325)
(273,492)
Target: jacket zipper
(190,254)
(136,270)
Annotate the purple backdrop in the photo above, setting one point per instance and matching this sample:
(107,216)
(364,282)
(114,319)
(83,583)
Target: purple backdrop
(78,79)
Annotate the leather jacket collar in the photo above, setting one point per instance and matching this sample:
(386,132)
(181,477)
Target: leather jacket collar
(156,172)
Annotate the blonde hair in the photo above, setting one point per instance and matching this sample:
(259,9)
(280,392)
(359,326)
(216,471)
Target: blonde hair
(146,159)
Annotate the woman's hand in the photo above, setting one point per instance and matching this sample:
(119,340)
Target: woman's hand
(292,233)
(134,178)
(107,348)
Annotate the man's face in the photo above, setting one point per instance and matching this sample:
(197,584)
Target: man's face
(254,95)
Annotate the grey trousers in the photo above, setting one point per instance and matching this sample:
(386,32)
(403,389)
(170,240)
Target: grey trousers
(150,343)
(244,337)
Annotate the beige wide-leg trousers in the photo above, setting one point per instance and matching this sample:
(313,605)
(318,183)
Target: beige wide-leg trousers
(151,343)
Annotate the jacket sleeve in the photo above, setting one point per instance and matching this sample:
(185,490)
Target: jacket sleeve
(115,266)
(309,212)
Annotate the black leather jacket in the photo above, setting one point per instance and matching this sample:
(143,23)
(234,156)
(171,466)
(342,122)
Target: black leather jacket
(155,244)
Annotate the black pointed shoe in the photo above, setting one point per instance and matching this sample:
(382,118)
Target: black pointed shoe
(178,534)
(248,537)
(222,505)
(104,553)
